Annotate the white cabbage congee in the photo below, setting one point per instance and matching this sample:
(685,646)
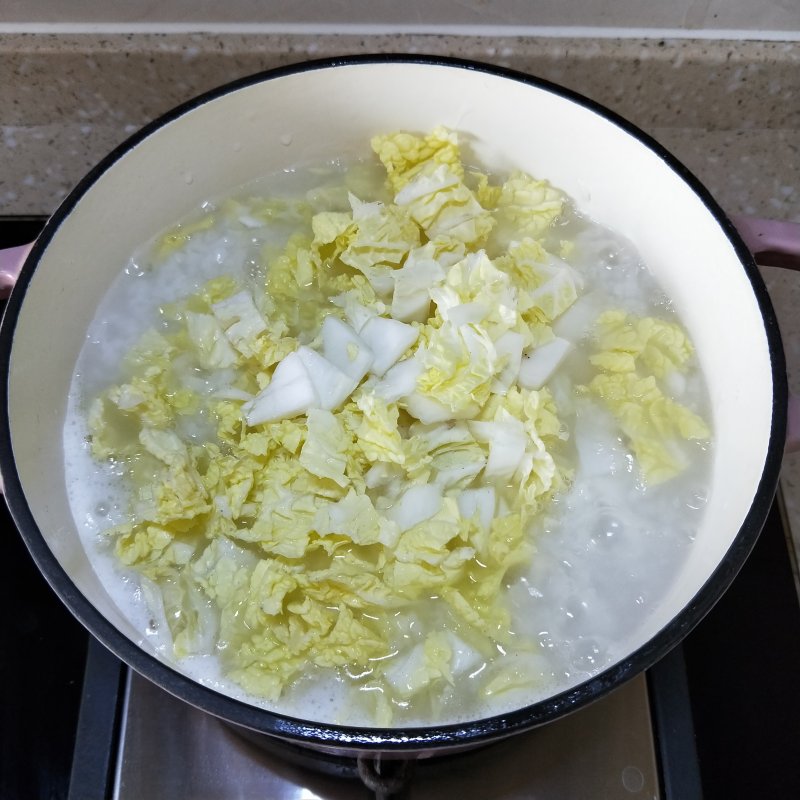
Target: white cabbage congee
(395,443)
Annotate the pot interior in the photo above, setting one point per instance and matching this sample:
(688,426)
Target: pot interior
(329,113)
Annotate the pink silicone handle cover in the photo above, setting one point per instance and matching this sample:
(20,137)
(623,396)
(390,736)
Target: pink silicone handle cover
(11,261)
(773,243)
(793,424)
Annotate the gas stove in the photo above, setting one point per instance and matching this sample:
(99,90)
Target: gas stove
(717,718)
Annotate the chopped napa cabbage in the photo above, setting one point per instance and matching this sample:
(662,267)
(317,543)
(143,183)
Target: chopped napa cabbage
(152,549)
(213,349)
(382,475)
(461,313)
(348,635)
(363,210)
(355,517)
(476,284)
(331,385)
(554,297)
(622,340)
(481,502)
(299,282)
(405,156)
(509,351)
(652,422)
(530,205)
(290,392)
(324,451)
(181,235)
(431,553)
(507,441)
(539,364)
(151,398)
(487,194)
(547,286)
(145,399)
(371,432)
(633,353)
(381,239)
(444,207)
(179,495)
(388,340)
(344,348)
(512,676)
(377,435)
(524,262)
(242,322)
(411,299)
(578,321)
(358,312)
(425,664)
(458,365)
(374,245)
(329,226)
(258,212)
(454,456)
(400,381)
(191,602)
(428,410)
(488,619)
(284,526)
(417,504)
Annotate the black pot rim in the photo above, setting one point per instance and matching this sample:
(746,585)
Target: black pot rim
(407,739)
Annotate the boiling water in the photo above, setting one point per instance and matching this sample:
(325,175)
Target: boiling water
(606,552)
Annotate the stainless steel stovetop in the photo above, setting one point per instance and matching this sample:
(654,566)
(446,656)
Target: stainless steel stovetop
(171,751)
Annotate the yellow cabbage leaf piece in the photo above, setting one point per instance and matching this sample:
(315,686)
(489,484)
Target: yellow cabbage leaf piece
(633,353)
(458,364)
(445,208)
(405,155)
(651,421)
(531,206)
(625,340)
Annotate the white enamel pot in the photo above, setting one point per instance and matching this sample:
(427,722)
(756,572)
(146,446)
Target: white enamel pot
(323,110)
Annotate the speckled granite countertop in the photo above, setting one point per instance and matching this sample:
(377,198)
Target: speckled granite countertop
(729,110)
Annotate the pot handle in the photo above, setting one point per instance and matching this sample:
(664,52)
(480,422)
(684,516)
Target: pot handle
(793,424)
(775,244)
(11,261)
(772,243)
